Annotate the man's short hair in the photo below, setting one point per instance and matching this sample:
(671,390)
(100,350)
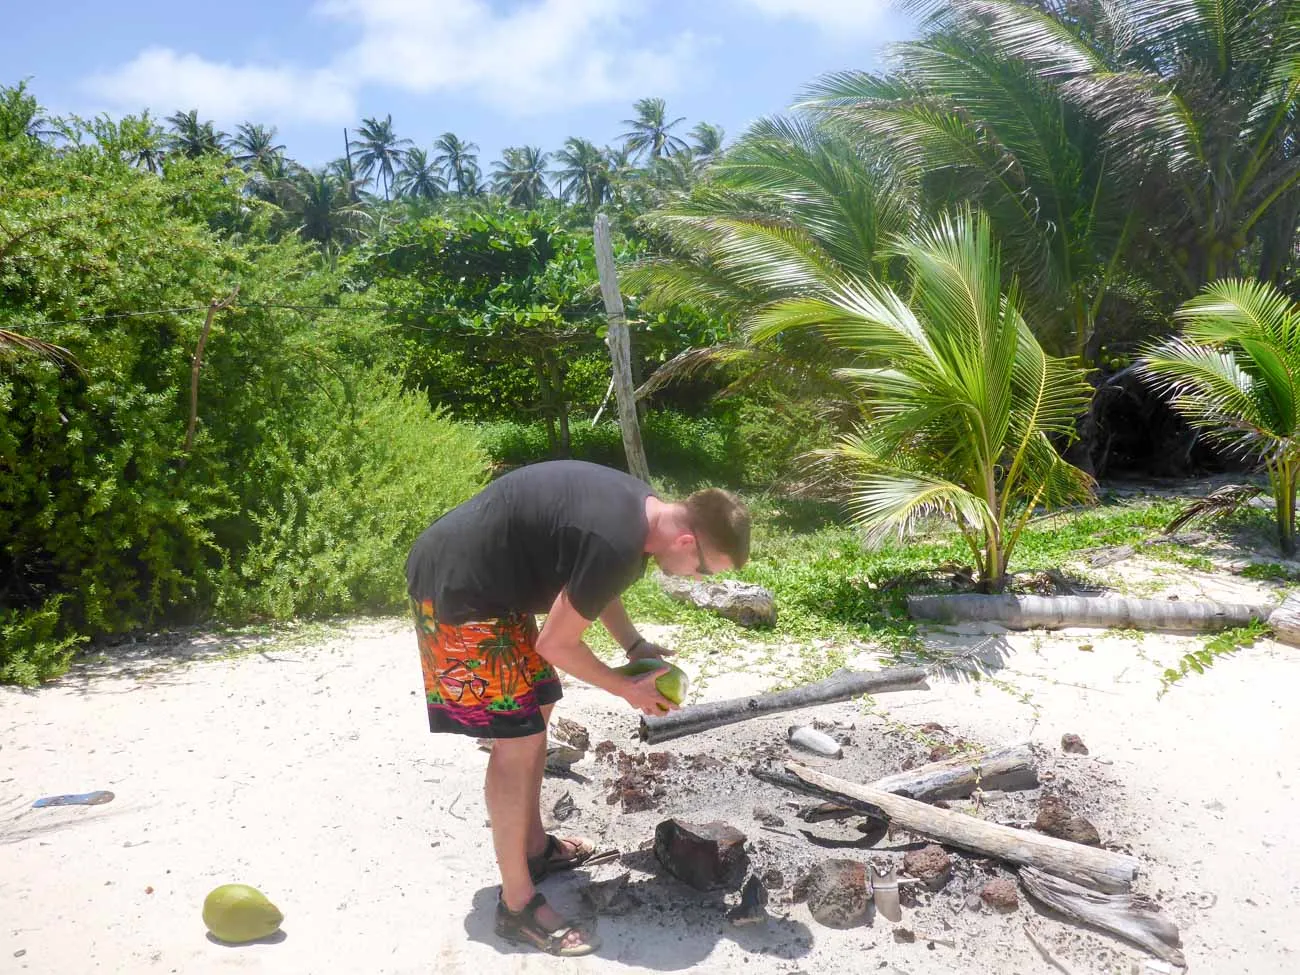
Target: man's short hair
(722,521)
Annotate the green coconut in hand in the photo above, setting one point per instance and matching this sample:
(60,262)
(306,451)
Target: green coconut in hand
(237,913)
(672,685)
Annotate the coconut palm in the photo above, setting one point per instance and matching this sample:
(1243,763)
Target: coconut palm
(521,176)
(379,150)
(984,128)
(650,133)
(21,115)
(794,203)
(419,178)
(1196,98)
(708,140)
(458,161)
(959,400)
(255,146)
(193,138)
(1234,373)
(583,173)
(322,208)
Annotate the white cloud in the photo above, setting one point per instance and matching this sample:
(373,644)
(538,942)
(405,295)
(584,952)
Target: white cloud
(164,80)
(832,16)
(539,55)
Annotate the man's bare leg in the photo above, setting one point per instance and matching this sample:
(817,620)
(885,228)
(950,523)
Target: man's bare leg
(513,787)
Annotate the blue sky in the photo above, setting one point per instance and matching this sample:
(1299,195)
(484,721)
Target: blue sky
(496,72)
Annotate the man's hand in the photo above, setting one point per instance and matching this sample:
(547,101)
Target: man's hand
(645,650)
(642,694)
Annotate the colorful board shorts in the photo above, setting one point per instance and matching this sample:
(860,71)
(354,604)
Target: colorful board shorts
(484,678)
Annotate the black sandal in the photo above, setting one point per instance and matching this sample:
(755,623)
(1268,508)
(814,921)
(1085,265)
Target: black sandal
(522,927)
(552,860)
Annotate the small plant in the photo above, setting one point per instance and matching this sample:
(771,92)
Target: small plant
(1220,645)
(1235,374)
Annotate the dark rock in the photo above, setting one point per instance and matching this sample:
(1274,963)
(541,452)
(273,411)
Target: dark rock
(773,879)
(1073,744)
(707,856)
(606,748)
(838,892)
(744,602)
(930,865)
(661,761)
(751,909)
(1000,894)
(564,808)
(1057,819)
(767,817)
(939,752)
(571,733)
(904,936)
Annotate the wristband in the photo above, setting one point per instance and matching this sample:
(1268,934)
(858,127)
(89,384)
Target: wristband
(636,643)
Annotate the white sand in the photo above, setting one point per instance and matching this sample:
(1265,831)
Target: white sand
(309,774)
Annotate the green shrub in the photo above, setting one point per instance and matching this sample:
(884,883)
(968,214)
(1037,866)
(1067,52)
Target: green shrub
(34,643)
(356,483)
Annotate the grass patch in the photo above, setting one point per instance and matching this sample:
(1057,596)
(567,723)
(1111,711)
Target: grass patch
(832,592)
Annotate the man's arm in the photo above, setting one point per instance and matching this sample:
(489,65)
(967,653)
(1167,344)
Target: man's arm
(560,643)
(619,624)
(621,628)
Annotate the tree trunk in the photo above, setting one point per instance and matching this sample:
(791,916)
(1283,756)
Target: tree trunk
(1006,770)
(1132,918)
(1055,612)
(1096,868)
(840,686)
(619,351)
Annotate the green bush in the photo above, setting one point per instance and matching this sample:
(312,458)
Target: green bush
(741,442)
(308,475)
(34,643)
(357,481)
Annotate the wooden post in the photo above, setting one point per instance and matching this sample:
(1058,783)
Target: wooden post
(196,363)
(620,352)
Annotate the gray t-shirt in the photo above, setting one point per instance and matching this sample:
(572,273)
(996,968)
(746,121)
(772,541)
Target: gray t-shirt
(526,536)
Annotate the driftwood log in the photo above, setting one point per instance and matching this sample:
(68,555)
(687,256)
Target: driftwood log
(1005,769)
(1101,869)
(1055,612)
(1131,918)
(842,685)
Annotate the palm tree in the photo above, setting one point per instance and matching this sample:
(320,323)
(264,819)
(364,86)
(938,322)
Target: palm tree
(521,176)
(255,146)
(459,163)
(793,204)
(266,182)
(147,143)
(21,115)
(1196,98)
(982,128)
(959,401)
(708,140)
(379,150)
(191,138)
(322,208)
(583,176)
(419,178)
(1234,372)
(651,132)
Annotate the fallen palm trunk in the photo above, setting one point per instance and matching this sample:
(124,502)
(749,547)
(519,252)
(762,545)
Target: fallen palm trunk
(1132,918)
(1102,869)
(843,685)
(1054,612)
(1006,769)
